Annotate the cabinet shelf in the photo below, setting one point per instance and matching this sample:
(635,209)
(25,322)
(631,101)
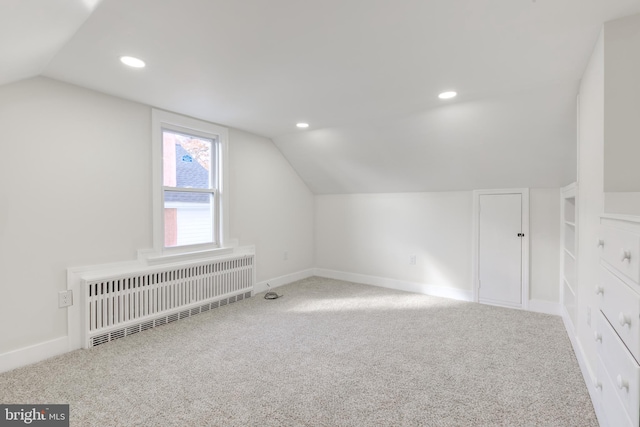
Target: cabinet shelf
(568,285)
(568,252)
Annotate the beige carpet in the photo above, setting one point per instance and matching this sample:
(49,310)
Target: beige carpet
(328,353)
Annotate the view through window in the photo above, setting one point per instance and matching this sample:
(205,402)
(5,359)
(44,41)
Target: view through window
(189,189)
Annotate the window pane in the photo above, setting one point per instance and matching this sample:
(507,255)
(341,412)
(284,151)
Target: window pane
(188,218)
(186,160)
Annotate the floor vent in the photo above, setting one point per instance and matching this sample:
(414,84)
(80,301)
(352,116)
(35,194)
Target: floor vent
(117,306)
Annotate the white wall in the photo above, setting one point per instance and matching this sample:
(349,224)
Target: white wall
(270,206)
(590,192)
(622,202)
(374,235)
(622,104)
(621,112)
(76,190)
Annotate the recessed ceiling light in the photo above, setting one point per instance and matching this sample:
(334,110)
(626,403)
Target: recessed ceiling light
(303,125)
(132,62)
(447,95)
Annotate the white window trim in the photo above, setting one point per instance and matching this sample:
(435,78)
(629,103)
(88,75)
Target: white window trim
(166,120)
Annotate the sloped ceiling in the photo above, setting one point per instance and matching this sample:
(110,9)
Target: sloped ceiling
(365,74)
(33,31)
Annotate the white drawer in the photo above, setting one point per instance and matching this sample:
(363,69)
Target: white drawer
(621,305)
(613,408)
(621,367)
(621,249)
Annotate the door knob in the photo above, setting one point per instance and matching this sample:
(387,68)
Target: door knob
(622,383)
(625,255)
(597,384)
(623,319)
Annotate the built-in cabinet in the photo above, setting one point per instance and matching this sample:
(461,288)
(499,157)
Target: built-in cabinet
(569,251)
(617,332)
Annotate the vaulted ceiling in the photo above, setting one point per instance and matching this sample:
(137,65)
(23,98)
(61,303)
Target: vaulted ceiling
(365,74)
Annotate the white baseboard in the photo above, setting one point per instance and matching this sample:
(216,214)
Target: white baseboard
(587,372)
(32,354)
(546,307)
(282,280)
(400,285)
(38,352)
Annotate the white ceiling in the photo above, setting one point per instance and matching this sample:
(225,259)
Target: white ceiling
(364,73)
(33,31)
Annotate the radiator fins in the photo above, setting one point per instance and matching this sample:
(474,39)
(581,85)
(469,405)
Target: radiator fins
(118,301)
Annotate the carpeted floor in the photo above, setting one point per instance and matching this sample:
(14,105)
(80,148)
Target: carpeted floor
(329,353)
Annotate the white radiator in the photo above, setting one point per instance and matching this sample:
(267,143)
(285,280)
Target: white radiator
(118,305)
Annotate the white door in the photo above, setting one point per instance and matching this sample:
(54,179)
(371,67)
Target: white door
(500,249)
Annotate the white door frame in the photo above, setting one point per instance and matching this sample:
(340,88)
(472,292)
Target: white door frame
(525,240)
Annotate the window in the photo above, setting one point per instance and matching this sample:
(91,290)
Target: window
(189,193)
(188,178)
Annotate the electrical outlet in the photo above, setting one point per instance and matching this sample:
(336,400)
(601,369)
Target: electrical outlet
(412,259)
(65,298)
(286,255)
(589,316)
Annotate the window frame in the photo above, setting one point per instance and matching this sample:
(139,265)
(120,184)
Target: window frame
(166,121)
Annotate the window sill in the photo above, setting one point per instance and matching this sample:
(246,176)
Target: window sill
(154,258)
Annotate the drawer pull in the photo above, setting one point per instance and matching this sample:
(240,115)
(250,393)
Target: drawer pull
(624,319)
(599,290)
(600,243)
(622,383)
(598,336)
(625,255)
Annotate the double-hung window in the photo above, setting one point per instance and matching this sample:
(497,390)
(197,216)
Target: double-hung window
(189,193)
